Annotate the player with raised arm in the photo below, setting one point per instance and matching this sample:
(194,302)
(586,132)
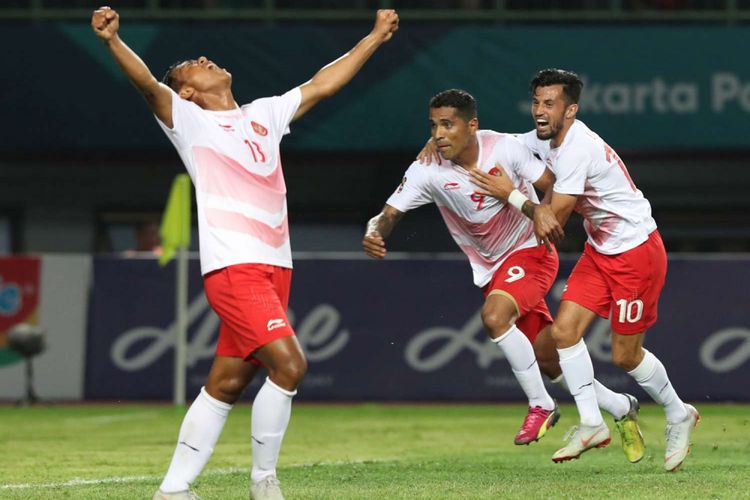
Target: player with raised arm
(513,271)
(621,272)
(232,156)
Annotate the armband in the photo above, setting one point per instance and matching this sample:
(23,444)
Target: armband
(517,199)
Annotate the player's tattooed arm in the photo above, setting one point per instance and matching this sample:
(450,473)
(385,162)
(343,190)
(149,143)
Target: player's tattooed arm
(528,209)
(378,229)
(550,219)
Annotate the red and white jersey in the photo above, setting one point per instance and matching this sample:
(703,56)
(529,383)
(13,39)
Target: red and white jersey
(485,228)
(233,159)
(616,215)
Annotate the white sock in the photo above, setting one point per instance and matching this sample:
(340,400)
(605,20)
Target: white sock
(520,355)
(199,432)
(652,376)
(560,382)
(579,375)
(271,411)
(614,403)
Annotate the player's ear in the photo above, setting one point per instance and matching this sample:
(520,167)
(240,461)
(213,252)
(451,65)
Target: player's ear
(186,93)
(474,124)
(571,111)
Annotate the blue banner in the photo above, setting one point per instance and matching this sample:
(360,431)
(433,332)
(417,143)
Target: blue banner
(407,330)
(647,87)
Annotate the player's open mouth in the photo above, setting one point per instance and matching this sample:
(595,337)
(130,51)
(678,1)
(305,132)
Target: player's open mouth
(542,123)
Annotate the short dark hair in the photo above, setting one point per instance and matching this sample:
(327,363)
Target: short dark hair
(465,104)
(570,81)
(170,80)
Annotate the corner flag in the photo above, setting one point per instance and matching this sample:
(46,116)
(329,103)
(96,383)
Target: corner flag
(175,224)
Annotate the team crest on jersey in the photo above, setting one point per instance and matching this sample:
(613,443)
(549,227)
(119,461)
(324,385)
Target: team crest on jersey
(451,185)
(401,186)
(259,129)
(494,171)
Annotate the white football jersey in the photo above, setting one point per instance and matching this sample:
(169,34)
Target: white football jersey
(233,159)
(616,215)
(486,229)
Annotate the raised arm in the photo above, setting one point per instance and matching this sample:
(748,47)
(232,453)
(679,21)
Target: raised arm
(379,228)
(106,23)
(331,78)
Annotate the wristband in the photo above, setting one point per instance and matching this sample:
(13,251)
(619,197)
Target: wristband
(517,199)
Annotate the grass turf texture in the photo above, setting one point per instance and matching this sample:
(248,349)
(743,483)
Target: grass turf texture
(364,451)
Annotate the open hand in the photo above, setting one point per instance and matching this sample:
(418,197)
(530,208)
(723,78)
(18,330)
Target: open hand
(105,22)
(386,23)
(496,183)
(429,154)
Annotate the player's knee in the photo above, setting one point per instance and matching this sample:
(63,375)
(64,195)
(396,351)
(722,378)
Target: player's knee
(562,333)
(289,374)
(228,389)
(626,359)
(496,322)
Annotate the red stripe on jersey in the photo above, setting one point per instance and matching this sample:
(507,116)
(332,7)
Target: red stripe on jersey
(599,223)
(490,241)
(488,143)
(223,176)
(232,221)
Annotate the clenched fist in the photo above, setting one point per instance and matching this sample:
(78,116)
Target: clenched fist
(386,23)
(374,245)
(105,22)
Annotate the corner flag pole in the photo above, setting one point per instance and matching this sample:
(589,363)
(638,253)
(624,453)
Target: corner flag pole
(175,234)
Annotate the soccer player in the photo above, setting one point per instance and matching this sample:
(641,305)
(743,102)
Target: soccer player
(513,271)
(232,156)
(620,273)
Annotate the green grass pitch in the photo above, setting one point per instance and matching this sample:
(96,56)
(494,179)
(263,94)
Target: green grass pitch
(363,451)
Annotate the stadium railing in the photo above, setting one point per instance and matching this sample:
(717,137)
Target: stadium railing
(493,11)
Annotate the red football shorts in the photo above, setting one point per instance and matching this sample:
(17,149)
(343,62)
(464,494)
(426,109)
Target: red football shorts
(623,287)
(525,277)
(251,301)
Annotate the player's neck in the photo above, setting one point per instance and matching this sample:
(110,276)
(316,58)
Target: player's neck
(218,102)
(558,139)
(469,157)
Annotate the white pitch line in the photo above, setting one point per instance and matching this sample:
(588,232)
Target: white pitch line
(110,418)
(139,479)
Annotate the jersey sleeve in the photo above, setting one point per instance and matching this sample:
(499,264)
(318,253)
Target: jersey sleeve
(571,169)
(414,190)
(187,122)
(531,141)
(280,110)
(521,159)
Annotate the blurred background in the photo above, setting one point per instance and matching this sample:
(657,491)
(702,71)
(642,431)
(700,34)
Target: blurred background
(85,170)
